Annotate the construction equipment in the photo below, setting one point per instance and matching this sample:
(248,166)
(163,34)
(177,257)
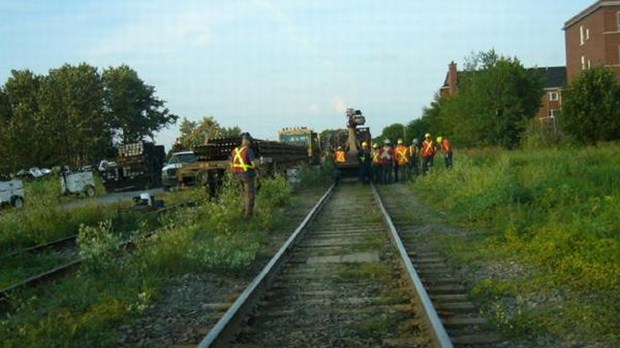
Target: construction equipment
(304,137)
(351,139)
(12,192)
(137,166)
(214,158)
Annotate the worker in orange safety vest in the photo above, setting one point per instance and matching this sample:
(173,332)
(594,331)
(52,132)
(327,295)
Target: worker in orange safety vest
(446,149)
(340,156)
(376,164)
(401,161)
(386,155)
(428,153)
(244,166)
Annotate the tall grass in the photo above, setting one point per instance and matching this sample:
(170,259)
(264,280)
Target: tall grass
(554,211)
(84,310)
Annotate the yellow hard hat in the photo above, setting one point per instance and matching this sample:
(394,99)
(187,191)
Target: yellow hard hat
(399,141)
(427,135)
(364,144)
(439,139)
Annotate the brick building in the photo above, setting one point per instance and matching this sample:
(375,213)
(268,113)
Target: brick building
(554,80)
(593,38)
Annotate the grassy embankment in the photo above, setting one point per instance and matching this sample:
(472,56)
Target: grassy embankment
(552,218)
(85,310)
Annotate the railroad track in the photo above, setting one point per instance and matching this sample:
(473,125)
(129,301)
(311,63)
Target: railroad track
(461,318)
(68,248)
(343,279)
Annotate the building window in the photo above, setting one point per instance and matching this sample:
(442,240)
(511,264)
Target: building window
(618,19)
(583,63)
(553,96)
(552,112)
(582,38)
(587,34)
(589,65)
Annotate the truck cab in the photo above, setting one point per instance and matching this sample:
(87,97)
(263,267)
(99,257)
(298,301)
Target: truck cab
(176,161)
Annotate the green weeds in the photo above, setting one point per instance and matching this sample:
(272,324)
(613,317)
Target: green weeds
(555,213)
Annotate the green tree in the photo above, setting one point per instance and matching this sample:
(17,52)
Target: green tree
(392,132)
(19,144)
(194,133)
(234,131)
(496,99)
(133,110)
(591,107)
(71,120)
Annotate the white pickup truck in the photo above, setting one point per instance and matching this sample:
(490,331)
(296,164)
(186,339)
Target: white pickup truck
(12,192)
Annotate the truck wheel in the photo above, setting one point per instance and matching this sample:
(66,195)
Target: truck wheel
(89,191)
(17,202)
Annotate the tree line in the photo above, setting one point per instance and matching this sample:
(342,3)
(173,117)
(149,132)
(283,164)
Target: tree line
(497,102)
(75,115)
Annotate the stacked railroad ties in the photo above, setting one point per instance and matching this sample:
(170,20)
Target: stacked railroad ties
(213,159)
(138,165)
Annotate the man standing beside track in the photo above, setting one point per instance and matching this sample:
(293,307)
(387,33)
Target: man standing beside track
(386,155)
(364,158)
(428,153)
(376,164)
(401,162)
(244,167)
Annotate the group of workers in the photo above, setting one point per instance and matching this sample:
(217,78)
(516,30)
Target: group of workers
(386,164)
(381,165)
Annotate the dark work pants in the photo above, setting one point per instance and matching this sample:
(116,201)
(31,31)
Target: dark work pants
(249,194)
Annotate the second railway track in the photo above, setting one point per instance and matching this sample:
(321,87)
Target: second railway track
(342,283)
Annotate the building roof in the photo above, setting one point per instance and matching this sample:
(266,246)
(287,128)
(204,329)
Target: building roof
(588,11)
(554,77)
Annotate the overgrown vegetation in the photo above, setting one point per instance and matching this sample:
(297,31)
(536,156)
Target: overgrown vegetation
(496,98)
(549,221)
(591,108)
(84,309)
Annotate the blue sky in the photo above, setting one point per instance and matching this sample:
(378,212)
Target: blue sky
(267,64)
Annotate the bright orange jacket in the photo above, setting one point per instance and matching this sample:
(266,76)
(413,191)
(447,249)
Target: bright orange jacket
(446,146)
(428,148)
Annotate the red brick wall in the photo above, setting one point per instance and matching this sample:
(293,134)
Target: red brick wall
(601,48)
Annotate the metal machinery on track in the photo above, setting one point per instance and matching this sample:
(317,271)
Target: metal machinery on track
(351,141)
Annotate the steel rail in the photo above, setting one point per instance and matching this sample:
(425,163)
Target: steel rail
(72,266)
(225,328)
(430,316)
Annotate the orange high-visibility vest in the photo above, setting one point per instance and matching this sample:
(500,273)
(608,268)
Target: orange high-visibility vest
(340,156)
(240,160)
(446,146)
(428,148)
(402,155)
